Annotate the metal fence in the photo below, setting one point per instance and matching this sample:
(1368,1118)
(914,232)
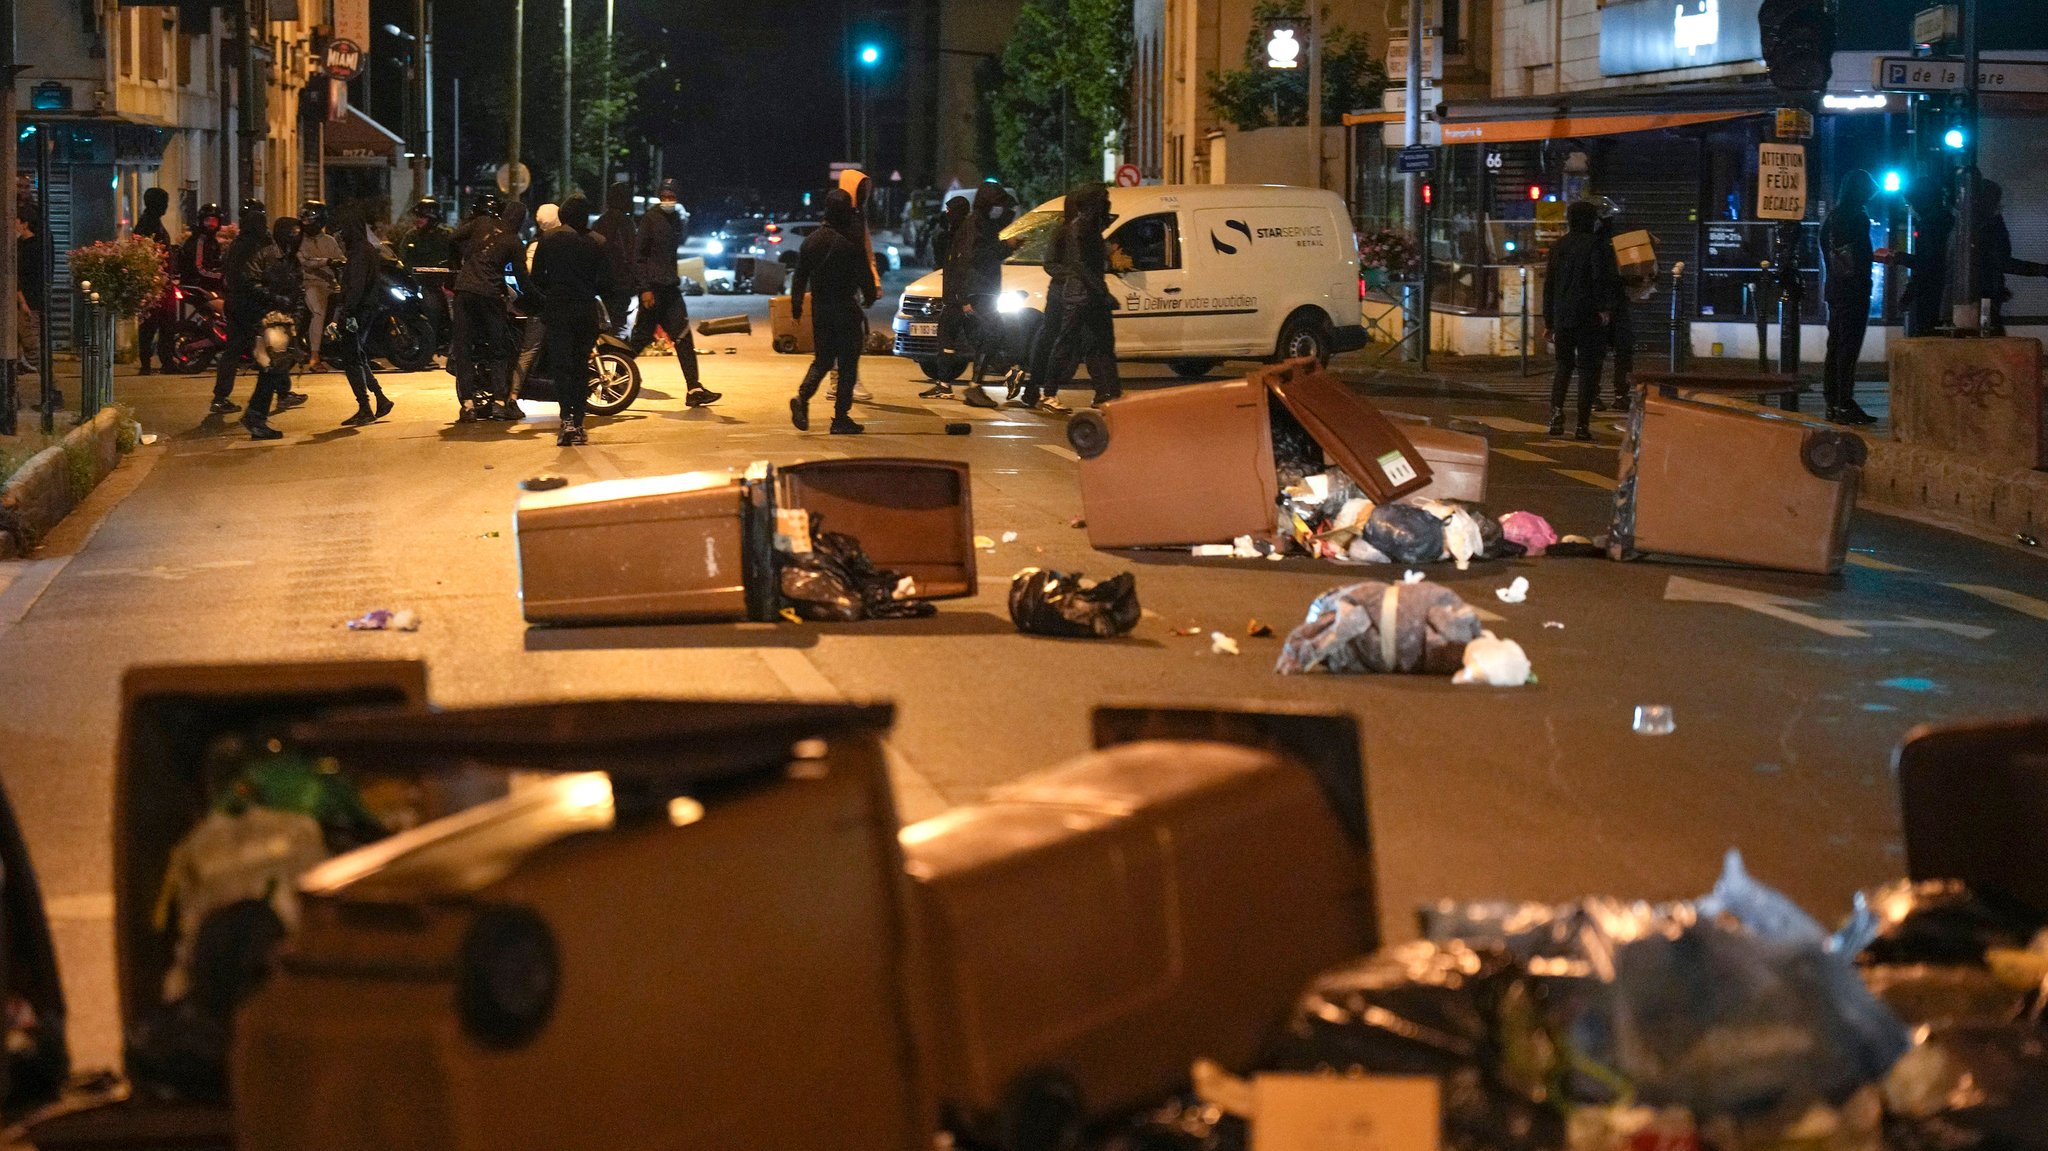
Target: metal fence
(93,336)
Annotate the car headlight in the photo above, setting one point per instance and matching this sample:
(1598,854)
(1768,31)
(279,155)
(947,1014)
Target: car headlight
(714,247)
(1012,301)
(507,977)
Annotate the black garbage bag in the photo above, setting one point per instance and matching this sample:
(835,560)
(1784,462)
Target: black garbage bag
(835,582)
(1970,1087)
(182,1051)
(1495,544)
(1065,604)
(1406,534)
(1344,632)
(1184,1123)
(1944,922)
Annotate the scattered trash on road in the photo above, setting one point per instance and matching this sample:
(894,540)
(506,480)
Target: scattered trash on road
(1530,530)
(1187,631)
(384,619)
(2027,540)
(984,543)
(1553,623)
(1067,604)
(1491,661)
(1078,522)
(1655,719)
(488,536)
(1381,627)
(1213,551)
(1412,576)
(789,614)
(1516,592)
(148,438)
(1009,537)
(836,582)
(1258,630)
(1220,644)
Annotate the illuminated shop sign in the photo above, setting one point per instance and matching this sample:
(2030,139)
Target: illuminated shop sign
(1666,35)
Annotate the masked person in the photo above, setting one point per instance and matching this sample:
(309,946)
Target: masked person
(246,304)
(1995,256)
(1925,297)
(156,332)
(430,244)
(534,327)
(661,290)
(322,257)
(275,274)
(360,310)
(833,269)
(1580,286)
(199,255)
(480,348)
(946,227)
(1621,331)
(857,185)
(620,234)
(570,274)
(1078,306)
(972,280)
(1846,258)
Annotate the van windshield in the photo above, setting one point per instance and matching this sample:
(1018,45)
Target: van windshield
(1032,236)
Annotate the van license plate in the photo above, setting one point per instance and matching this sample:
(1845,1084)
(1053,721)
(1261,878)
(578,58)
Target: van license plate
(918,330)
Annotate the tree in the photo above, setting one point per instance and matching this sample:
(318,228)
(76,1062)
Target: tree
(1256,96)
(1060,97)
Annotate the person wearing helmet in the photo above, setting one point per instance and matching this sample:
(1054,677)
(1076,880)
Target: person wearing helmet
(661,289)
(246,303)
(321,256)
(277,279)
(430,244)
(159,318)
(199,255)
(480,347)
(1846,259)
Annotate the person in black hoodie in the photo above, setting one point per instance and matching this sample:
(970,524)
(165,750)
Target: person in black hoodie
(972,278)
(1926,294)
(159,321)
(833,267)
(1580,287)
(480,346)
(276,277)
(199,253)
(570,273)
(1846,257)
(1996,260)
(245,302)
(620,234)
(360,311)
(661,290)
(1079,325)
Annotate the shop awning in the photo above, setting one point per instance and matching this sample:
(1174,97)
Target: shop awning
(1593,112)
(1568,127)
(358,139)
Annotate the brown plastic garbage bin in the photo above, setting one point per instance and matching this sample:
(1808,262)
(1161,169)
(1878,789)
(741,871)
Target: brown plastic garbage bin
(700,546)
(1195,464)
(1704,479)
(1973,800)
(1457,460)
(791,336)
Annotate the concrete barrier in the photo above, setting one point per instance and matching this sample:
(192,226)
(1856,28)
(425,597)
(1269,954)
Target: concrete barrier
(39,495)
(1980,399)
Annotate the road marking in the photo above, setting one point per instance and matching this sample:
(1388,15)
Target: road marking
(603,464)
(1585,477)
(917,797)
(2023,604)
(1682,590)
(1062,452)
(1525,457)
(1858,560)
(1509,424)
(169,572)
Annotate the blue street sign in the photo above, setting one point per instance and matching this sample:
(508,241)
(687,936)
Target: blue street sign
(1417,158)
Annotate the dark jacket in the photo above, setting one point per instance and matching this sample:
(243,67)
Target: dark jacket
(654,250)
(199,258)
(359,274)
(620,234)
(1996,260)
(1929,258)
(974,264)
(28,269)
(246,297)
(1080,255)
(569,272)
(1846,254)
(834,269)
(432,246)
(279,278)
(1582,281)
(483,246)
(151,226)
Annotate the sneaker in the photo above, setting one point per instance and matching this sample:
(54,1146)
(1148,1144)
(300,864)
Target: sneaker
(565,438)
(577,436)
(937,392)
(384,405)
(842,426)
(509,412)
(1583,434)
(976,398)
(287,400)
(1105,397)
(800,414)
(700,396)
(1556,424)
(1052,407)
(258,430)
(1853,413)
(467,415)
(362,417)
(224,407)
(1013,382)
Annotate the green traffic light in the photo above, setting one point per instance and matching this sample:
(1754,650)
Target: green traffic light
(870,55)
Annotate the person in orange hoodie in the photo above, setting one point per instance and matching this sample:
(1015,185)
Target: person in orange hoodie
(859,186)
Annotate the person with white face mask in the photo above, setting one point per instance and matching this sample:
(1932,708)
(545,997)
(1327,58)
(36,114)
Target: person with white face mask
(661,290)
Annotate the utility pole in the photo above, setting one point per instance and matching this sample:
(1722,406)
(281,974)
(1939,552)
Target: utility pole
(568,75)
(10,341)
(1315,93)
(1967,312)
(422,140)
(604,151)
(518,86)
(1411,116)
(249,126)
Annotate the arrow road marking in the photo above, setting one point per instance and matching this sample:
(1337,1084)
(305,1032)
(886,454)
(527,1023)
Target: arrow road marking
(2024,604)
(1682,590)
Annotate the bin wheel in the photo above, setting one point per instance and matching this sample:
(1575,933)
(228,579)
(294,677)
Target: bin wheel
(1828,454)
(1041,1111)
(1088,432)
(786,345)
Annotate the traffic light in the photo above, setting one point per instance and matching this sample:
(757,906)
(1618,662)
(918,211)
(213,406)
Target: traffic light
(1284,41)
(1799,43)
(870,54)
(1954,139)
(1428,193)
(1535,193)
(1893,180)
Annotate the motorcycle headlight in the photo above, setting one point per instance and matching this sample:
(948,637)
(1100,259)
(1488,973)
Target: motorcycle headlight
(508,976)
(1012,302)
(400,293)
(714,247)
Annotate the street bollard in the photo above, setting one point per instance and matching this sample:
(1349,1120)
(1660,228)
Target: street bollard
(1681,332)
(1525,320)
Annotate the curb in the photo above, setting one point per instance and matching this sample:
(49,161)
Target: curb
(45,490)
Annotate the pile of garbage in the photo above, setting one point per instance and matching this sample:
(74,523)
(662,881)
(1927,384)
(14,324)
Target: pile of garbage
(1410,627)
(826,577)
(1326,515)
(1733,1022)
(1071,606)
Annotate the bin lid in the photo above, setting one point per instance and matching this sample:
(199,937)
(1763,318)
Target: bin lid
(1354,434)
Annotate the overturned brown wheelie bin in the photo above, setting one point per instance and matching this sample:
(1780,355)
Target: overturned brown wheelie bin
(1205,463)
(701,928)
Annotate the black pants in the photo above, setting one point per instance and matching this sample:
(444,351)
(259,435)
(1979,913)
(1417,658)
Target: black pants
(671,315)
(530,342)
(269,386)
(1923,307)
(1086,334)
(353,349)
(616,309)
(837,334)
(1580,350)
(569,341)
(480,347)
(158,333)
(241,341)
(1848,323)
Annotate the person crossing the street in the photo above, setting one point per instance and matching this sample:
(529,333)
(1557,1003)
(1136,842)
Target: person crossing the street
(278,279)
(360,310)
(480,349)
(1580,286)
(246,304)
(570,273)
(835,272)
(1078,307)
(972,279)
(661,289)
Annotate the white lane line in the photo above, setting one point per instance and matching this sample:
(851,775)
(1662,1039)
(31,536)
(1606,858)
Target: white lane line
(1508,424)
(1525,457)
(1064,453)
(1858,560)
(1585,477)
(916,796)
(2023,604)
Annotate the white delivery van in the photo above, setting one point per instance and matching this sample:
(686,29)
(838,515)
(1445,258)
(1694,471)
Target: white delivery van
(1209,272)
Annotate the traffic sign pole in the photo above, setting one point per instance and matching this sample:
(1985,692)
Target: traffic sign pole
(1965,310)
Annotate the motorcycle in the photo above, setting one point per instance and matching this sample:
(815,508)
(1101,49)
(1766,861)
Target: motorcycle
(404,336)
(614,375)
(201,330)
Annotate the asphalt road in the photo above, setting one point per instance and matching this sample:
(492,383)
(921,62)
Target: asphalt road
(207,547)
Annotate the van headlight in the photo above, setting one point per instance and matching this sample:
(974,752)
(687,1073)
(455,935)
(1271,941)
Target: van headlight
(714,247)
(507,977)
(1012,302)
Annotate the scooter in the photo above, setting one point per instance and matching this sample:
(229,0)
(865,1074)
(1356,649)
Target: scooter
(614,375)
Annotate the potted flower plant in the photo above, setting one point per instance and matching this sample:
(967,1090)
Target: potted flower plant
(1387,255)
